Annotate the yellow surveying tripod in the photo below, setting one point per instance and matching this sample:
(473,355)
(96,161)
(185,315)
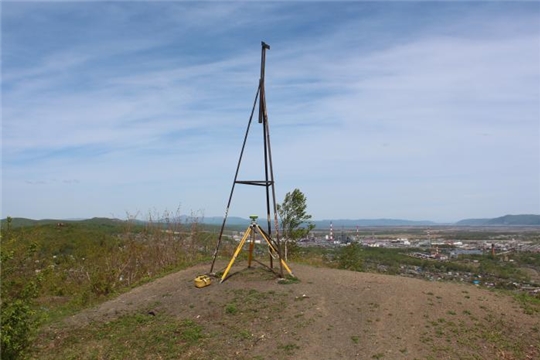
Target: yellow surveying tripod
(250,232)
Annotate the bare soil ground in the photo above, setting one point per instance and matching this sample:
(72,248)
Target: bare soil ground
(332,314)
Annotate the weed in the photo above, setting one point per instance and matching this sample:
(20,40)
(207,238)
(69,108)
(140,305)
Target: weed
(288,348)
(244,334)
(288,279)
(191,332)
(528,303)
(231,309)
(355,339)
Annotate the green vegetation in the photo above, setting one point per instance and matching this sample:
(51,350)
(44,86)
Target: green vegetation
(289,280)
(293,215)
(20,288)
(161,336)
(51,269)
(530,304)
(390,261)
(461,336)
(351,258)
(288,348)
(66,266)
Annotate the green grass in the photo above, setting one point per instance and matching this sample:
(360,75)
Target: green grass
(289,279)
(162,336)
(288,348)
(231,309)
(530,304)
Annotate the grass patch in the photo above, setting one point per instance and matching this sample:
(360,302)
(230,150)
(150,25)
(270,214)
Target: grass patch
(289,348)
(161,336)
(231,309)
(529,304)
(288,279)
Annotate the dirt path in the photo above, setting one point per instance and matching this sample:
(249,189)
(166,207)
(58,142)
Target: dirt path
(335,314)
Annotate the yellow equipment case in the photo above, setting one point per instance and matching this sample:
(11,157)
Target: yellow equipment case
(202,281)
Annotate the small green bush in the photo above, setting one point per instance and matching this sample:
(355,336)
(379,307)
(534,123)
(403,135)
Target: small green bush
(350,258)
(231,309)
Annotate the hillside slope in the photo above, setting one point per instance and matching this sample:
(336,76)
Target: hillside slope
(328,314)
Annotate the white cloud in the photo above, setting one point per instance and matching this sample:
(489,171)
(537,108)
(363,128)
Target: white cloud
(429,116)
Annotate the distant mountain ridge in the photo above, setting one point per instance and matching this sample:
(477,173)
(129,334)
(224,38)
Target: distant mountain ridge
(506,220)
(373,222)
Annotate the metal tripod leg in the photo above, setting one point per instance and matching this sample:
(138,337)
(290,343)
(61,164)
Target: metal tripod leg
(273,248)
(240,246)
(250,233)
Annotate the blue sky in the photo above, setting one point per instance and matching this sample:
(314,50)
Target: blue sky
(411,110)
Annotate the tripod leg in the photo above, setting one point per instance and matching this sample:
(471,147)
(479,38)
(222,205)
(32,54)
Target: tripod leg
(286,267)
(273,248)
(240,246)
(251,246)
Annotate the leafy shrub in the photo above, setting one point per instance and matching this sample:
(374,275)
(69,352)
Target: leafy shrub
(350,258)
(20,287)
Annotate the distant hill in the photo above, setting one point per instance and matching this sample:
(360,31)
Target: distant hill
(20,222)
(372,222)
(507,220)
(233,221)
(237,221)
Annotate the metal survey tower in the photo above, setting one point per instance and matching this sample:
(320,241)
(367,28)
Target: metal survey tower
(268,181)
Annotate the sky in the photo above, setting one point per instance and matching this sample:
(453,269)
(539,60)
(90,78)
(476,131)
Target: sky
(406,110)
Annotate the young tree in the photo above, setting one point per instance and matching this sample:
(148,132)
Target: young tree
(293,215)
